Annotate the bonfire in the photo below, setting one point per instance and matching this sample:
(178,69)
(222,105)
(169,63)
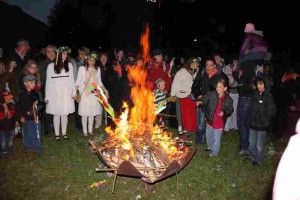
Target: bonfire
(137,147)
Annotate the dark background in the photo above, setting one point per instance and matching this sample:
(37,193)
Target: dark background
(174,24)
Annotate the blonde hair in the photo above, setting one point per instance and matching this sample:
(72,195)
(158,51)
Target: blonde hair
(37,74)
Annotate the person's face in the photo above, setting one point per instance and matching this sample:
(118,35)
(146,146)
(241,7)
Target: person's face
(50,53)
(120,55)
(220,88)
(30,85)
(64,55)
(162,85)
(24,48)
(158,58)
(260,86)
(217,59)
(266,69)
(91,62)
(210,66)
(33,68)
(139,62)
(81,55)
(182,60)
(194,65)
(234,63)
(103,59)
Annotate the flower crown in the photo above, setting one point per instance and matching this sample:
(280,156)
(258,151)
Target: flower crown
(195,59)
(62,49)
(92,55)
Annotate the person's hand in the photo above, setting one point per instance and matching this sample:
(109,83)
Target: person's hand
(292,108)
(6,111)
(221,114)
(11,66)
(46,100)
(106,94)
(283,79)
(199,103)
(199,97)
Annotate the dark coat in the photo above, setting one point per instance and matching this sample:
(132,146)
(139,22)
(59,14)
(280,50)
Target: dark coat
(263,111)
(210,100)
(203,84)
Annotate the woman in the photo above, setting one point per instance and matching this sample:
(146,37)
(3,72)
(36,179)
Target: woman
(181,88)
(89,106)
(60,91)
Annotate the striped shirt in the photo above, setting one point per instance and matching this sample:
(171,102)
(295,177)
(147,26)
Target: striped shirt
(160,97)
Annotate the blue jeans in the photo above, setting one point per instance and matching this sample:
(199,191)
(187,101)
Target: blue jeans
(257,145)
(213,138)
(32,136)
(258,55)
(201,125)
(244,108)
(6,141)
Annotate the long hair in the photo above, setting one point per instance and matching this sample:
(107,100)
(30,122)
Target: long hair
(96,66)
(37,74)
(61,65)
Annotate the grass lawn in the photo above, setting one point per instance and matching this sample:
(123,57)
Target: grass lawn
(67,169)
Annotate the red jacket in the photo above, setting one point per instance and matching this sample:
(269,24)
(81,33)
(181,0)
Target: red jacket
(159,71)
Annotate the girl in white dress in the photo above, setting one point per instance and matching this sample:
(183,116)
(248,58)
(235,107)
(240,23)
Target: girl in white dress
(60,91)
(89,106)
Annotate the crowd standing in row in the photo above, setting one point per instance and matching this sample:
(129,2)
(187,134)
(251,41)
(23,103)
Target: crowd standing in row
(209,100)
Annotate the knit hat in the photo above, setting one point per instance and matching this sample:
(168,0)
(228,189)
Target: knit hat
(157,52)
(158,81)
(249,28)
(29,77)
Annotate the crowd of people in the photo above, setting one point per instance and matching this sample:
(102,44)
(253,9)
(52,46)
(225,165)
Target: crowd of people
(39,93)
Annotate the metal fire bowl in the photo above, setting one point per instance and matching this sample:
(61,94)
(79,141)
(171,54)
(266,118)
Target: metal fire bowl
(129,170)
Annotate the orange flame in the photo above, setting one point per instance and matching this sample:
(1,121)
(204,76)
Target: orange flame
(139,120)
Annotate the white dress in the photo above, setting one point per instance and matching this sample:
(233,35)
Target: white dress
(89,105)
(60,88)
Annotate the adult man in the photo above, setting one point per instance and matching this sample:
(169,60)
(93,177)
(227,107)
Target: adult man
(159,69)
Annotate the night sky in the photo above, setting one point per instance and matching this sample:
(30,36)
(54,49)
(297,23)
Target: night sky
(206,25)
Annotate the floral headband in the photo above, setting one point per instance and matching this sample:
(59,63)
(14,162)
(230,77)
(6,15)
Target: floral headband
(92,55)
(195,59)
(62,49)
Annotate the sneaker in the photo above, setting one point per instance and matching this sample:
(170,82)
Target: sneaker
(207,149)
(244,152)
(85,135)
(65,137)
(57,138)
(91,134)
(255,163)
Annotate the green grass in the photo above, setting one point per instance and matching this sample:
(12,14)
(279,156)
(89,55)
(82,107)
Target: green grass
(67,169)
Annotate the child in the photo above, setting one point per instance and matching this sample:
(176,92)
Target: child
(160,98)
(8,116)
(89,106)
(263,111)
(219,105)
(29,100)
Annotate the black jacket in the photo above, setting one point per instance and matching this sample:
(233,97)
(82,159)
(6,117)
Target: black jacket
(203,84)
(263,110)
(26,103)
(210,100)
